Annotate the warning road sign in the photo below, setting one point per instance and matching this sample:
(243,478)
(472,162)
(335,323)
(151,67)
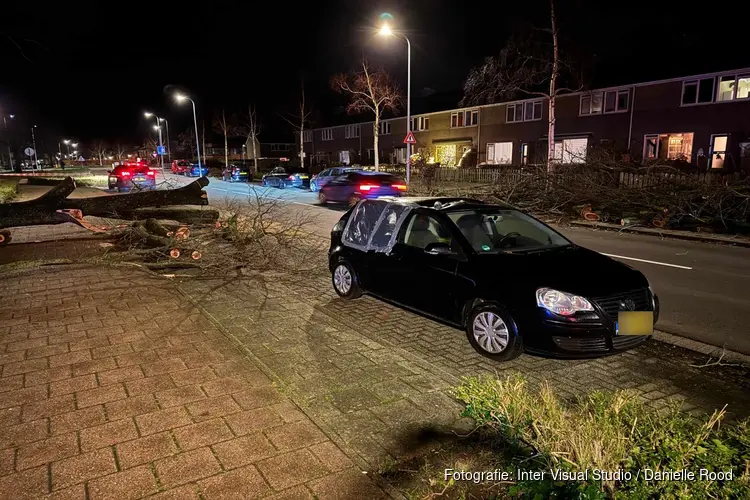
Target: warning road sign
(409,139)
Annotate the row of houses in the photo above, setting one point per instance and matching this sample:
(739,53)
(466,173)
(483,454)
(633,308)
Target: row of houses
(703,120)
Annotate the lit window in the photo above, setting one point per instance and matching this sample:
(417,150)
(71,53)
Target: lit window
(420,123)
(743,87)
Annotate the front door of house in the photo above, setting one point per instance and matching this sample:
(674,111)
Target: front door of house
(718,150)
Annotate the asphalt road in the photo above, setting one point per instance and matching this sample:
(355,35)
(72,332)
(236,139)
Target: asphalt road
(704,288)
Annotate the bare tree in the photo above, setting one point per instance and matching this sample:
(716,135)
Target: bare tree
(100,150)
(186,142)
(227,128)
(299,124)
(524,66)
(369,90)
(120,150)
(250,128)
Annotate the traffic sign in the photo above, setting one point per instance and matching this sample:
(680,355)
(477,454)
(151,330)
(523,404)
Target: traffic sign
(409,139)
(29,151)
(162,150)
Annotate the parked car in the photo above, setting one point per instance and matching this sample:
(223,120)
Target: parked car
(283,177)
(196,170)
(512,282)
(180,166)
(324,177)
(132,175)
(239,172)
(357,185)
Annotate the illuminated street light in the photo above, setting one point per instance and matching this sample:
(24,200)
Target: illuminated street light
(157,127)
(182,98)
(386,30)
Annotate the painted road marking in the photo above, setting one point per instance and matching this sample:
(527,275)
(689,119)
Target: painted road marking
(648,261)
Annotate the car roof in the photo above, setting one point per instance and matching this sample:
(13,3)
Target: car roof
(445,203)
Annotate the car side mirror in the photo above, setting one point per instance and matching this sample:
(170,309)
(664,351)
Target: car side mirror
(439,249)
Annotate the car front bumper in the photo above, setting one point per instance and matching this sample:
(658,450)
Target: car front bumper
(554,336)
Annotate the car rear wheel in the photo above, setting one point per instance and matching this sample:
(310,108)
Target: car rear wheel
(492,333)
(322,198)
(345,281)
(281,185)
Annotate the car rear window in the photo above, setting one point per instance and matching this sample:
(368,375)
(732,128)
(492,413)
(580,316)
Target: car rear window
(379,178)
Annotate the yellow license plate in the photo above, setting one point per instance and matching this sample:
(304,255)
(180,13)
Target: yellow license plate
(635,323)
(303,177)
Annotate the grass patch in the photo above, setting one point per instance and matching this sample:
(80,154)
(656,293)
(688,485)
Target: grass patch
(608,432)
(95,181)
(8,190)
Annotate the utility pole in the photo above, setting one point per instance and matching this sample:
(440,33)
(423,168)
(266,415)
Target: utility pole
(33,142)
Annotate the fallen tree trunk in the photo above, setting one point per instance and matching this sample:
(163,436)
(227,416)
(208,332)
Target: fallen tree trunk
(45,209)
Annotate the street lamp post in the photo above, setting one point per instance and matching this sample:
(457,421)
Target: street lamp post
(33,142)
(180,98)
(67,146)
(169,149)
(161,144)
(386,31)
(10,149)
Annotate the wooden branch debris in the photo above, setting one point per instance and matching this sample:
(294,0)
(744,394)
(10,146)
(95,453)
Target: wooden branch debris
(54,207)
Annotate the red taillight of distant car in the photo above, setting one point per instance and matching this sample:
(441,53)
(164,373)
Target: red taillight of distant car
(291,177)
(368,187)
(125,173)
(400,187)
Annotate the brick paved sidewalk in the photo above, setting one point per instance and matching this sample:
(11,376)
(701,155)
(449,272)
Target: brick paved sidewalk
(114,386)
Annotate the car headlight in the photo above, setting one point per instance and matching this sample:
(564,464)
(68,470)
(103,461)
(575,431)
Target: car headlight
(565,304)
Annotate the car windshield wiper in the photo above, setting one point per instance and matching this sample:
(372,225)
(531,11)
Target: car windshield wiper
(542,250)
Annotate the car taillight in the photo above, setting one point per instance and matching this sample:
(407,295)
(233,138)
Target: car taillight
(400,187)
(125,173)
(367,187)
(291,177)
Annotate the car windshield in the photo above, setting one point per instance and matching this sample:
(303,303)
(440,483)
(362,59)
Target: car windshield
(501,230)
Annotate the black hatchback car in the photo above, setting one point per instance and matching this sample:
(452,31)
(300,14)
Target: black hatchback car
(283,177)
(512,282)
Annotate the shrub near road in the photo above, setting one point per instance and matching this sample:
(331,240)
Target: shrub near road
(610,432)
(8,190)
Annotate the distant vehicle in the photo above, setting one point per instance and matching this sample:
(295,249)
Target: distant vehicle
(357,185)
(132,175)
(196,170)
(321,179)
(180,167)
(283,177)
(510,281)
(240,172)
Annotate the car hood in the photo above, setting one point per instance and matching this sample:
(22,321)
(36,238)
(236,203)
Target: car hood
(571,269)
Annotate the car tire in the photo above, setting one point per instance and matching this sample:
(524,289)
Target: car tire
(345,281)
(487,327)
(353,200)
(313,187)
(322,198)
(282,185)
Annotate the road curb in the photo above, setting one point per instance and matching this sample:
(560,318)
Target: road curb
(666,233)
(712,351)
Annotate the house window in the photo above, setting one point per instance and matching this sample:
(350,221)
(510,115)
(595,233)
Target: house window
(384,128)
(500,153)
(351,131)
(344,158)
(733,87)
(279,147)
(420,123)
(571,150)
(668,146)
(524,112)
(307,136)
(610,101)
(327,134)
(698,91)
(467,118)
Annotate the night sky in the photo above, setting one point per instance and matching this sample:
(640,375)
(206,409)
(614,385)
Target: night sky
(89,73)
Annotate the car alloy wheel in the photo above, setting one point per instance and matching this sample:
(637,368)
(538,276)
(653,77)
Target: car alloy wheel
(493,333)
(345,281)
(322,198)
(313,186)
(490,332)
